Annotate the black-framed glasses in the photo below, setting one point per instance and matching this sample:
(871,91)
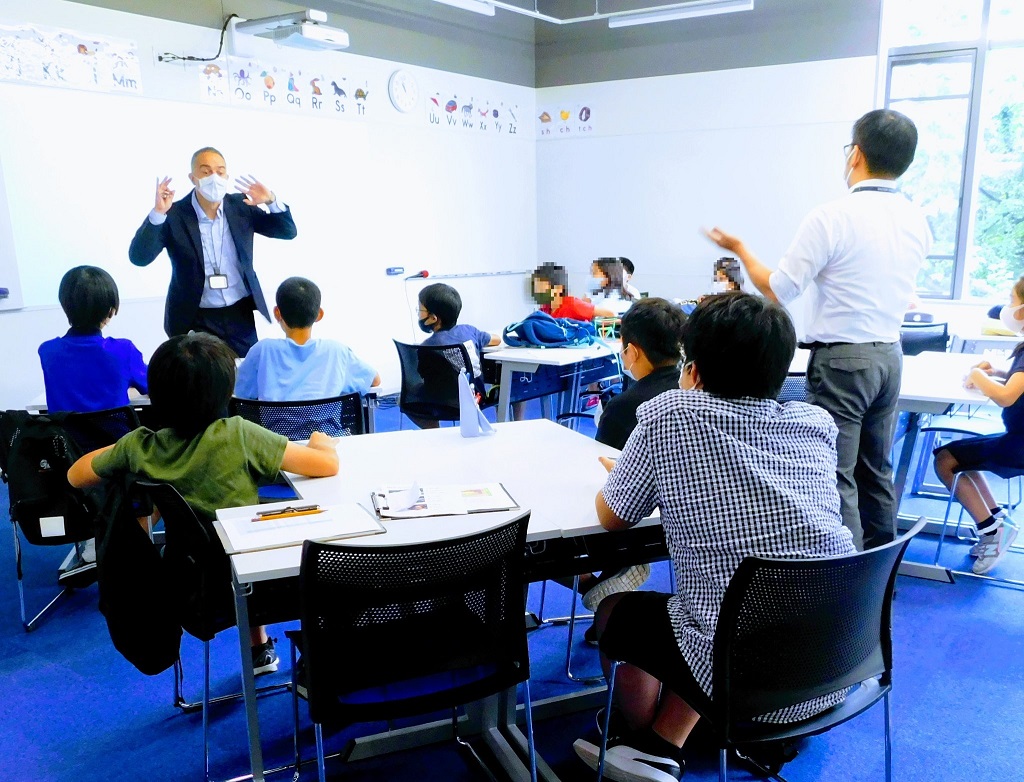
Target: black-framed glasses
(848,149)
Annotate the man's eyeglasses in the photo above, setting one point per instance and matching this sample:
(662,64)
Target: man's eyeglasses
(848,149)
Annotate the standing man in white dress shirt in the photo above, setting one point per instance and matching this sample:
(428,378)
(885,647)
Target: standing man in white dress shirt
(860,256)
(209,239)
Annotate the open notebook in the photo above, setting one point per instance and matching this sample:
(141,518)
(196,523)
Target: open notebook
(292,524)
(411,502)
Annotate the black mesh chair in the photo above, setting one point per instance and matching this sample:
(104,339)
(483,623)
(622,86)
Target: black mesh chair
(794,389)
(790,630)
(101,428)
(430,376)
(88,431)
(916,338)
(460,599)
(336,416)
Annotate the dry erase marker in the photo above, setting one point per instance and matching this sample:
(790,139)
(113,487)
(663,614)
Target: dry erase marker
(286,513)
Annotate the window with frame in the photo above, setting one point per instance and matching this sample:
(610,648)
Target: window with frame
(956,67)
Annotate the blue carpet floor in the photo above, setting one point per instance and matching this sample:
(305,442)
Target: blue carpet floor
(72,710)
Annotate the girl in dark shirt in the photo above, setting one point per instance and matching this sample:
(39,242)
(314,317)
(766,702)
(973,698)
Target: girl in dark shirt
(1002,454)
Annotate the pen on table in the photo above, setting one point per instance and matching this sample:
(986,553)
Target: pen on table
(287,514)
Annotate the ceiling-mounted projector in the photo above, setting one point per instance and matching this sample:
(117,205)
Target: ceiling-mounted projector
(301,30)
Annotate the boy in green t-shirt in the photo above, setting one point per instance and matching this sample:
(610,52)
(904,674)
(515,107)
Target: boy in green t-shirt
(214,462)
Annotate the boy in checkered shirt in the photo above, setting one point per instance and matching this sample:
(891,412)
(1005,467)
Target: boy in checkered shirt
(734,474)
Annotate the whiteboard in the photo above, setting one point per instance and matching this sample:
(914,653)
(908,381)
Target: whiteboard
(81,169)
(10,280)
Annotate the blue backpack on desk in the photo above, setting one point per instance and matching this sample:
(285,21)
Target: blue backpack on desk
(540,330)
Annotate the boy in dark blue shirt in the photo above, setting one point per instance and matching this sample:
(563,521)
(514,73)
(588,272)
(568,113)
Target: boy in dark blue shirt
(83,371)
(438,316)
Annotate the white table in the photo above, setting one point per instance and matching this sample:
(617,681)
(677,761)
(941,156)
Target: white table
(38,403)
(529,360)
(547,468)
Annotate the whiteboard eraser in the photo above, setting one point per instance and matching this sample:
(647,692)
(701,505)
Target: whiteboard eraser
(395,270)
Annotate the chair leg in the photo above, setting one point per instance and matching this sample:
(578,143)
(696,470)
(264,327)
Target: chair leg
(723,765)
(206,710)
(29,624)
(320,766)
(945,519)
(295,710)
(528,712)
(888,740)
(463,744)
(607,719)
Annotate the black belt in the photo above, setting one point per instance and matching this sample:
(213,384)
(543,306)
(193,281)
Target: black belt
(816,345)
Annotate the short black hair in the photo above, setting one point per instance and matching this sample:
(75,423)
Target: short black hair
(88,295)
(552,273)
(191,379)
(742,345)
(888,141)
(627,265)
(198,152)
(298,299)
(443,302)
(656,327)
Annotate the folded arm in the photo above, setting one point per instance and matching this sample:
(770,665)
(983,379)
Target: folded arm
(82,475)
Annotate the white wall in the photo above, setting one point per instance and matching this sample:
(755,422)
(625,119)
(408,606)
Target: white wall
(368,191)
(749,150)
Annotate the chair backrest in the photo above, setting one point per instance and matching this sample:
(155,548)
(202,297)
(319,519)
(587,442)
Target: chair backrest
(448,614)
(196,564)
(430,376)
(100,428)
(796,629)
(336,416)
(794,389)
(917,338)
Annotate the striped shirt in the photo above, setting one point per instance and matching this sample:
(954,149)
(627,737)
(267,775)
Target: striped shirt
(732,477)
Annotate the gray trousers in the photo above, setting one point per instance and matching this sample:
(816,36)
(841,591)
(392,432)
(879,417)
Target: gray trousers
(860,385)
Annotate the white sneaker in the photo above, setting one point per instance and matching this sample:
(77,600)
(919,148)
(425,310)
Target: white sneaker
(622,763)
(975,550)
(993,546)
(626,580)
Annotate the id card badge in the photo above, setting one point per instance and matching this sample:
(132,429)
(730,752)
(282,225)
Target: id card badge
(218,282)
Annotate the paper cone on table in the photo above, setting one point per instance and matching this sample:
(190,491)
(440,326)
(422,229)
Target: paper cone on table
(472,422)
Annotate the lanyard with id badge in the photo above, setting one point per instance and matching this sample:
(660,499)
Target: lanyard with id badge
(217,281)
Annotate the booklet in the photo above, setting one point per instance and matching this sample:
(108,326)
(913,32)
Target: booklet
(290,525)
(412,502)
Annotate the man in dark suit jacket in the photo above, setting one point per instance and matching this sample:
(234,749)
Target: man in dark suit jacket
(208,237)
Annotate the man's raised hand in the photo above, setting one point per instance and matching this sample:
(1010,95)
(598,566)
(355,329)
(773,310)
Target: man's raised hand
(256,192)
(164,195)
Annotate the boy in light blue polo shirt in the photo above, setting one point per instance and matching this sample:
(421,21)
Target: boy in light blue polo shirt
(299,368)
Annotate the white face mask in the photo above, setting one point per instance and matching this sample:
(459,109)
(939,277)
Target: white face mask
(627,372)
(1007,318)
(847,169)
(213,188)
(720,286)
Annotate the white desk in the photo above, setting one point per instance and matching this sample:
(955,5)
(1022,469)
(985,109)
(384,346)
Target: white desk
(530,359)
(547,468)
(38,403)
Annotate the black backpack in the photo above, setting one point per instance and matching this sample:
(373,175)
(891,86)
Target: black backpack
(35,455)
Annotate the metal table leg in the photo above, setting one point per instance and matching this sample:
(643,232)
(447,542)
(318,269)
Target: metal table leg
(252,722)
